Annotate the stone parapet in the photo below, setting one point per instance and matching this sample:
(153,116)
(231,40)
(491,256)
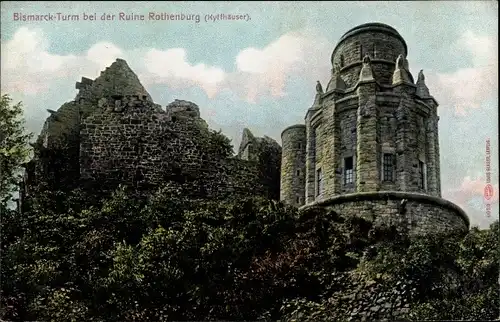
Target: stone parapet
(419,213)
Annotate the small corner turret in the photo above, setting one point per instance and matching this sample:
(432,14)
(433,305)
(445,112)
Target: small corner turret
(402,73)
(422,89)
(336,82)
(366,74)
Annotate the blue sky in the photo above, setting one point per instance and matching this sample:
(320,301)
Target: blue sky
(261,73)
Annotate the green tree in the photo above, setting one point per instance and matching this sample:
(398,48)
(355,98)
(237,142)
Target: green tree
(14,148)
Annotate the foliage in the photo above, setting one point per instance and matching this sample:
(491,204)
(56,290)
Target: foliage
(104,258)
(428,278)
(216,144)
(165,257)
(13,145)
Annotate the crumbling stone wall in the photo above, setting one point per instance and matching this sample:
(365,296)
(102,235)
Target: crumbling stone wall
(123,141)
(266,154)
(117,79)
(248,146)
(57,147)
(129,142)
(113,133)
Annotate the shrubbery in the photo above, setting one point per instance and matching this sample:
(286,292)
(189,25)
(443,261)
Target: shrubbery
(169,258)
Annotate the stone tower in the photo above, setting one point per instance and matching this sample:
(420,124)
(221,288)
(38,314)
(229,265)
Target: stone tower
(293,165)
(370,145)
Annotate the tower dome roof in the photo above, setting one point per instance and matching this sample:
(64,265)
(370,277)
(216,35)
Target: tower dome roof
(372,27)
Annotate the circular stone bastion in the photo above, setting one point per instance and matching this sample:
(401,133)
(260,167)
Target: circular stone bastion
(420,213)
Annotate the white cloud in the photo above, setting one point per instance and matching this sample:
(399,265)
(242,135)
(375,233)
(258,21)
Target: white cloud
(103,54)
(171,67)
(284,53)
(266,71)
(259,71)
(27,66)
(467,88)
(30,68)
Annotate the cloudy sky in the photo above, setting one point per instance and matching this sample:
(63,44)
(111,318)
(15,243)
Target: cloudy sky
(261,73)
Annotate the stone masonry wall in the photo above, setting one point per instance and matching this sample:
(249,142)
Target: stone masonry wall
(388,127)
(57,147)
(310,158)
(247,147)
(128,141)
(235,176)
(392,122)
(348,139)
(411,145)
(368,147)
(131,146)
(269,163)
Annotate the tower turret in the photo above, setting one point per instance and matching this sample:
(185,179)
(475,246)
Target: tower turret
(293,162)
(382,43)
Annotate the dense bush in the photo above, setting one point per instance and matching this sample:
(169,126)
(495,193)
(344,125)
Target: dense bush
(165,257)
(425,278)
